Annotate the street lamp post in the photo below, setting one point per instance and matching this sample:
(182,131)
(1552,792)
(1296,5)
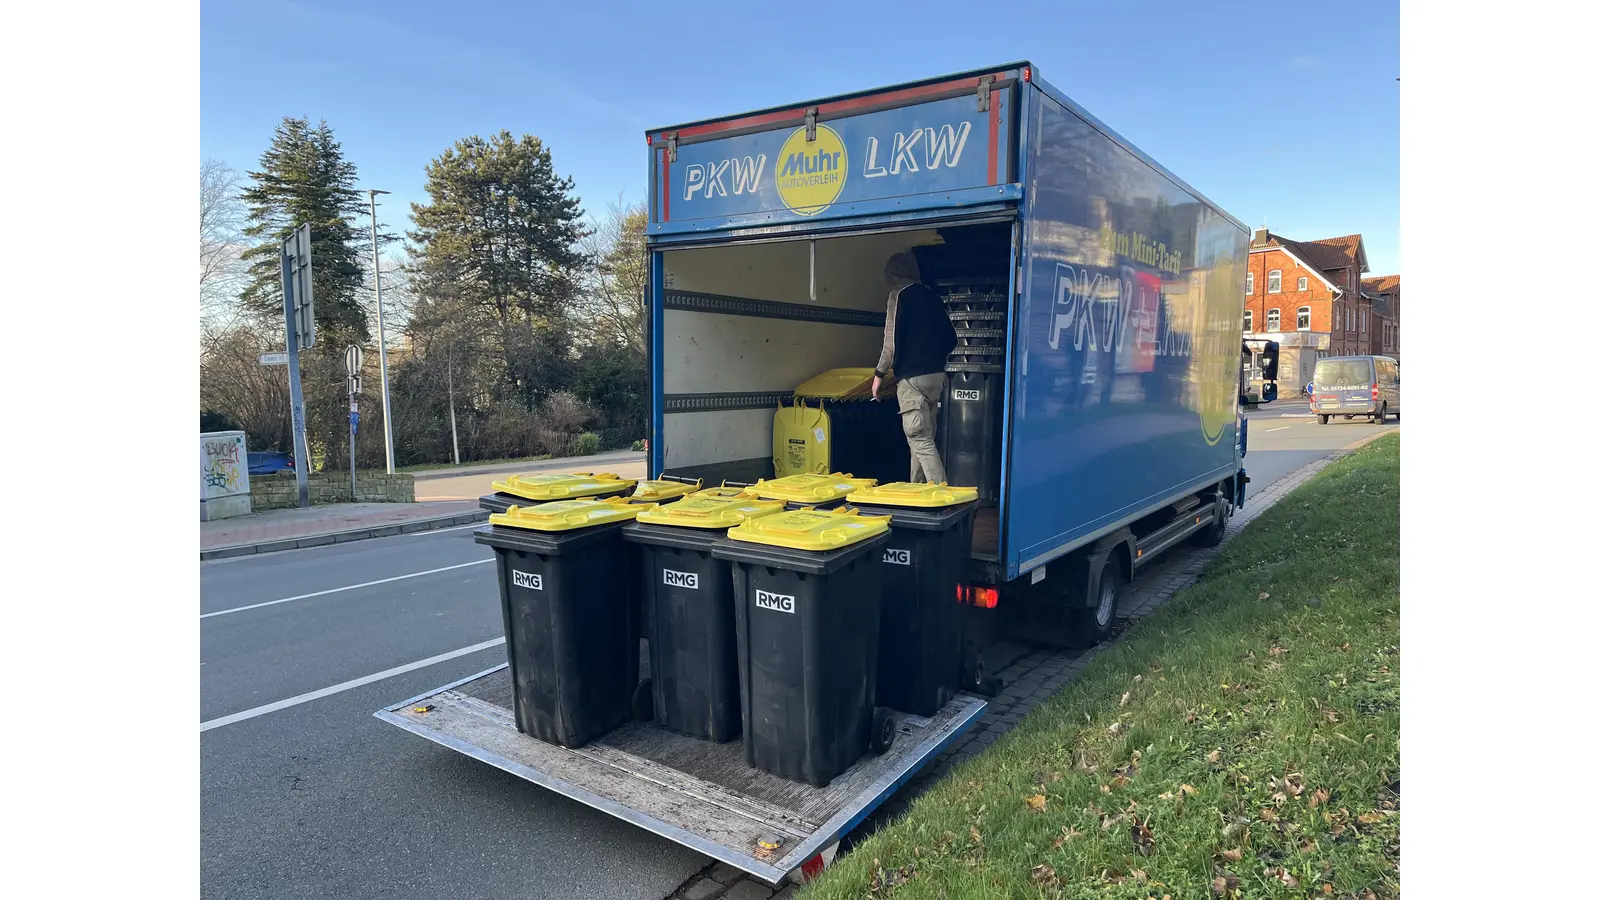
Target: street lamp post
(383,344)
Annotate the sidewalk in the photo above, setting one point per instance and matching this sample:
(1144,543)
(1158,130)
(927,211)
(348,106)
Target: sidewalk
(599,462)
(288,529)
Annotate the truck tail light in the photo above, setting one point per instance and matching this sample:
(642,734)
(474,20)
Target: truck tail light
(1374,392)
(979,595)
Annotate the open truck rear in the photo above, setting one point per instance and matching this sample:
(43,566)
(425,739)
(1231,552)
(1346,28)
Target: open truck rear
(1095,401)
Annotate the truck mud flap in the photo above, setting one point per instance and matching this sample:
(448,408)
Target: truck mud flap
(693,792)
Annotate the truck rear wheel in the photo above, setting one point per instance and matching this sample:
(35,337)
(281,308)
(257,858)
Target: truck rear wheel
(1090,625)
(1322,420)
(1212,534)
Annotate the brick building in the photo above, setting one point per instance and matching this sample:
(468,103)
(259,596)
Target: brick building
(1384,294)
(1307,296)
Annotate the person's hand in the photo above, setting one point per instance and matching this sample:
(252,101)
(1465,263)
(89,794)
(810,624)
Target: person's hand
(876,381)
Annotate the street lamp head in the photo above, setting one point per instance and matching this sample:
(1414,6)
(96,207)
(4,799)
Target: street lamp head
(372,192)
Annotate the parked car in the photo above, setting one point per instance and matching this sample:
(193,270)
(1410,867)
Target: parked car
(1351,386)
(270,462)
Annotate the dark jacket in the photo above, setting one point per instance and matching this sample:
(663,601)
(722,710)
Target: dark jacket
(917,334)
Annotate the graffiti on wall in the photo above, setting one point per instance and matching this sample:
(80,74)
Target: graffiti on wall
(223,463)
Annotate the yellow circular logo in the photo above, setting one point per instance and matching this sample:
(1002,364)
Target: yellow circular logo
(1218,354)
(811,173)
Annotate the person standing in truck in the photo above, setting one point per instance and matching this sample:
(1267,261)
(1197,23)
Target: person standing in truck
(917,337)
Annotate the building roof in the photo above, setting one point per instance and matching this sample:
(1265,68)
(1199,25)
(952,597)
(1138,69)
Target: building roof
(1336,253)
(1381,284)
(1298,250)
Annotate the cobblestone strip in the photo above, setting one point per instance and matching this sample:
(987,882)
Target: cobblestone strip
(1031,680)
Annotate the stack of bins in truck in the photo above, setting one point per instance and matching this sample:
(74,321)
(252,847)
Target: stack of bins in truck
(970,418)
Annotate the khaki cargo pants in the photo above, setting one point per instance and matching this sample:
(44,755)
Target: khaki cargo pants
(919,402)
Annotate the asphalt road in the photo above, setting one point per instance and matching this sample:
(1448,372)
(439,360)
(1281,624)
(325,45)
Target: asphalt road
(305,795)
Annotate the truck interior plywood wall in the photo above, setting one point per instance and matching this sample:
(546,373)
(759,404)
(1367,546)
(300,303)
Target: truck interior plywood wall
(741,327)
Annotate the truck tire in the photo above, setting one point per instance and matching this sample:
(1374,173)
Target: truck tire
(1090,625)
(1212,534)
(1322,419)
(1382,415)
(883,730)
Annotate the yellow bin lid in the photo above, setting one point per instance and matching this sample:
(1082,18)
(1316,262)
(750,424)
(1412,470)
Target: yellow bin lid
(551,486)
(811,529)
(811,488)
(906,493)
(711,512)
(835,383)
(723,491)
(662,489)
(570,515)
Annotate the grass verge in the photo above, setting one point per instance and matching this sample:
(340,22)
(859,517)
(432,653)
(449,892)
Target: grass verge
(1243,741)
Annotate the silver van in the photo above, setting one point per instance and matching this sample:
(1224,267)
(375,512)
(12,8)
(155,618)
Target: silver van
(1350,386)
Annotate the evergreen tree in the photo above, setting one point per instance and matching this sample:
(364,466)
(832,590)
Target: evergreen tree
(499,234)
(305,179)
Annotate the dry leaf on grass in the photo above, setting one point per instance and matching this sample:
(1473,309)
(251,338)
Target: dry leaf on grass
(1276,651)
(1214,756)
(1036,802)
(1188,789)
(1319,797)
(1233,855)
(1224,883)
(1043,874)
(1287,879)
(1125,696)
(1144,840)
(1117,728)
(1264,596)
(1067,833)
(976,837)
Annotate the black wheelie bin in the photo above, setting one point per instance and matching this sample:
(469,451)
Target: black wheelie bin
(569,589)
(919,638)
(544,487)
(806,585)
(688,602)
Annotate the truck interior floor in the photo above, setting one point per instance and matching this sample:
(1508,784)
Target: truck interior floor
(986,534)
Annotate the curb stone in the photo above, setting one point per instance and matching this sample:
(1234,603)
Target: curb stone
(1049,671)
(323,538)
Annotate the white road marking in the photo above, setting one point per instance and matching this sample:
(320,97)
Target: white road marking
(348,587)
(347,686)
(1279,428)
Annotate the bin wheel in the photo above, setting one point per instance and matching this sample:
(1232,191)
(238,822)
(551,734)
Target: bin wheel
(883,730)
(644,704)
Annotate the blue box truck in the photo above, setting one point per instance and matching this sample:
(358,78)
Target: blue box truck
(1097,403)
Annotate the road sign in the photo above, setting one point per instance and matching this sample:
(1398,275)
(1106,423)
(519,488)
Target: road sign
(352,385)
(297,263)
(274,359)
(352,361)
(353,407)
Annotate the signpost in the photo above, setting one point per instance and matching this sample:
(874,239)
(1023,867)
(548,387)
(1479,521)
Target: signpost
(300,331)
(274,359)
(352,370)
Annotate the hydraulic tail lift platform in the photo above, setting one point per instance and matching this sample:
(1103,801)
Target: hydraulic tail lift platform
(690,791)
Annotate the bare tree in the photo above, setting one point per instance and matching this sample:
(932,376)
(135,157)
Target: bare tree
(614,293)
(221,240)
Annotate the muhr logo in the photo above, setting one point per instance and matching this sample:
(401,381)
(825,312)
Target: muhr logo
(812,173)
(775,602)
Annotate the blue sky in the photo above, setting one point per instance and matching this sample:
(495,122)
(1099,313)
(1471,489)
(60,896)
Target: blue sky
(1279,112)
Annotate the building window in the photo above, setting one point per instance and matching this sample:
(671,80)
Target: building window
(1273,320)
(1349,319)
(1363,321)
(1302,319)
(1250,283)
(1275,281)
(1301,284)
(1249,321)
